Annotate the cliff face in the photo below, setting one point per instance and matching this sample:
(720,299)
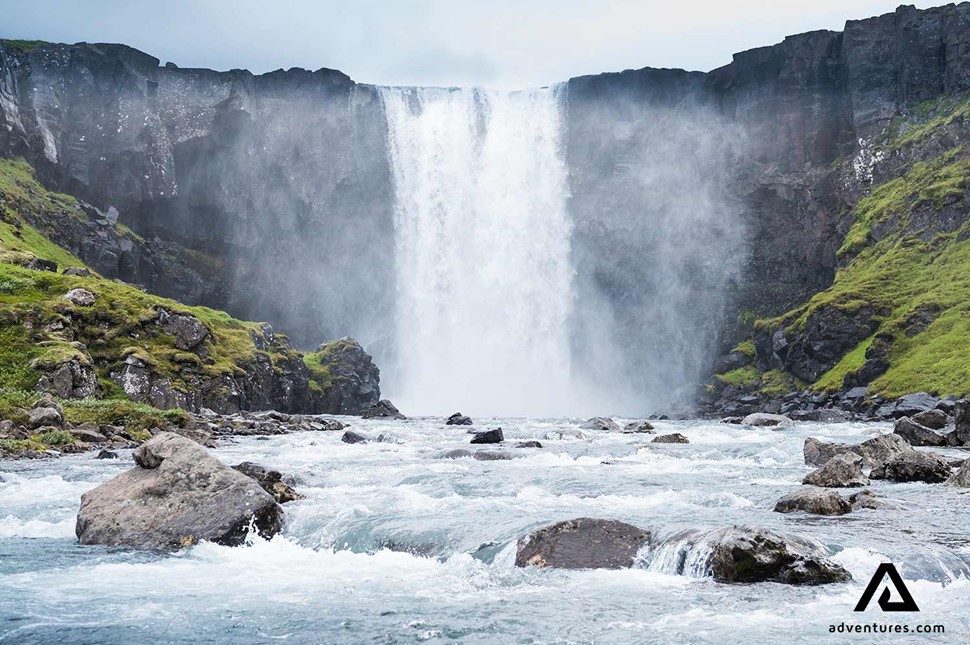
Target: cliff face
(264,189)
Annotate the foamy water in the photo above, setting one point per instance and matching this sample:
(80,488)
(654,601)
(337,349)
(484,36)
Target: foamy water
(395,545)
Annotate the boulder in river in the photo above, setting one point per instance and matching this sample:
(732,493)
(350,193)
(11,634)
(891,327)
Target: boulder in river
(817,501)
(177,495)
(528,444)
(489,436)
(865,498)
(644,427)
(458,453)
(492,455)
(763,419)
(913,467)
(458,419)
(934,419)
(383,409)
(962,476)
(271,481)
(676,437)
(583,543)
(352,437)
(600,423)
(742,554)
(873,451)
(841,471)
(916,434)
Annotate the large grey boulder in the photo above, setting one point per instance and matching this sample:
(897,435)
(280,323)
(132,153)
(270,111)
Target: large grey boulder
(583,543)
(763,419)
(40,417)
(817,501)
(189,332)
(934,419)
(962,476)
(913,467)
(605,424)
(917,434)
(873,451)
(177,495)
(841,471)
(383,409)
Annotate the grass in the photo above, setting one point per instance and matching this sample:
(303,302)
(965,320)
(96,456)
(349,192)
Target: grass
(833,380)
(22,47)
(928,117)
(740,376)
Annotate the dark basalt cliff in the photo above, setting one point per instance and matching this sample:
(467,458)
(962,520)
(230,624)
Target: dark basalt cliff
(271,196)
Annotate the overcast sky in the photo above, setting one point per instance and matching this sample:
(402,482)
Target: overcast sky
(499,43)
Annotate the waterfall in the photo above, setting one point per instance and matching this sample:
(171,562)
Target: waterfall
(484,275)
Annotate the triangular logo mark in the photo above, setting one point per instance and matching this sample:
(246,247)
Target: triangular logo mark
(906,604)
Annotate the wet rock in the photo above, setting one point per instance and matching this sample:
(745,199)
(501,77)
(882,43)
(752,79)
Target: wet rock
(916,434)
(742,554)
(352,437)
(383,409)
(913,467)
(676,437)
(528,444)
(270,480)
(489,436)
(80,297)
(824,415)
(763,419)
(458,419)
(177,495)
(492,455)
(355,382)
(873,451)
(865,498)
(600,423)
(733,420)
(326,425)
(459,453)
(962,476)
(107,454)
(44,416)
(817,501)
(583,543)
(932,419)
(841,471)
(644,427)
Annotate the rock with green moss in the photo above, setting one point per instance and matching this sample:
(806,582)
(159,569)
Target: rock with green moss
(344,377)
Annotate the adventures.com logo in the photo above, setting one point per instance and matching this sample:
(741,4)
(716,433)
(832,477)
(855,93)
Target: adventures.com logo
(894,588)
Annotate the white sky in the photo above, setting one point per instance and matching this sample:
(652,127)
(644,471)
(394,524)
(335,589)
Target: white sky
(499,43)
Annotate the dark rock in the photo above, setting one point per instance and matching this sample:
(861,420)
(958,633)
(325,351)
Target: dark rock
(489,436)
(270,480)
(189,332)
(733,420)
(458,419)
(841,471)
(107,454)
(600,423)
(911,404)
(74,378)
(913,467)
(352,437)
(492,455)
(638,427)
(873,451)
(80,272)
(177,495)
(355,381)
(916,434)
(766,420)
(383,409)
(38,264)
(676,437)
(958,437)
(824,415)
(743,554)
(817,501)
(528,444)
(583,543)
(933,419)
(865,498)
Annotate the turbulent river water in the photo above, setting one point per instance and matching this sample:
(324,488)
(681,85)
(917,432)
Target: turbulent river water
(392,545)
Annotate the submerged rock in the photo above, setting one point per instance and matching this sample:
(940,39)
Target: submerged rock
(764,419)
(492,455)
(177,495)
(913,467)
(489,436)
(600,423)
(107,454)
(742,554)
(841,471)
(916,434)
(528,444)
(676,437)
(383,409)
(644,427)
(458,453)
(865,498)
(352,437)
(458,419)
(818,501)
(583,543)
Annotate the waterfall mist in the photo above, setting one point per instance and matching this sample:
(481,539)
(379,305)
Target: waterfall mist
(484,275)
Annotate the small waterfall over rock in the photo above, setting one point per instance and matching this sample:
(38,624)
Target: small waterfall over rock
(484,274)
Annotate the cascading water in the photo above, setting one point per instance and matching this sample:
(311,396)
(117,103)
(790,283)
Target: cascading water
(484,274)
